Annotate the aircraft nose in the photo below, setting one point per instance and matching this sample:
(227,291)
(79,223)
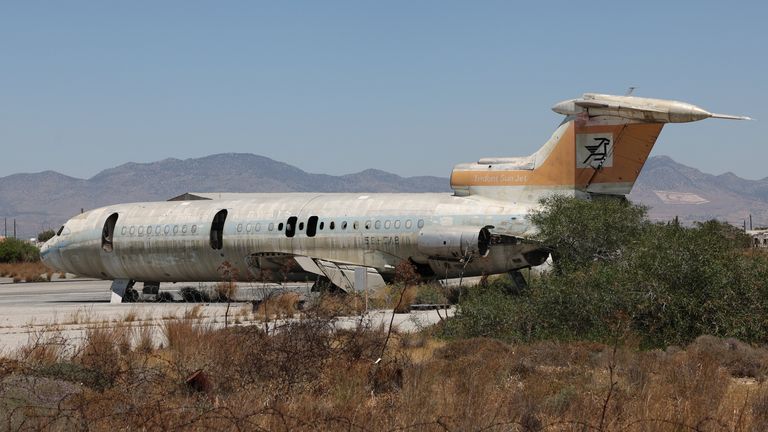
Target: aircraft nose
(49,254)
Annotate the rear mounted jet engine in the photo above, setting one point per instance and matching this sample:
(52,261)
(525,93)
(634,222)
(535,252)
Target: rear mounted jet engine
(454,242)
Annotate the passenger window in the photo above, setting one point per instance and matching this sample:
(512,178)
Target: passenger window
(312,226)
(332,225)
(378,224)
(367,225)
(141,230)
(149,229)
(183,229)
(355,225)
(408,224)
(167,229)
(175,229)
(421,223)
(271,226)
(280,226)
(397,224)
(239,227)
(322,225)
(248,228)
(132,230)
(194,229)
(344,225)
(258,227)
(122,231)
(290,227)
(387,224)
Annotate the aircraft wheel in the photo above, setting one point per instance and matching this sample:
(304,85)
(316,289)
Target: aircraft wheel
(131,296)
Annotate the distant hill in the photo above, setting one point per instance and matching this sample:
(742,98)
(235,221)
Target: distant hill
(673,190)
(47,199)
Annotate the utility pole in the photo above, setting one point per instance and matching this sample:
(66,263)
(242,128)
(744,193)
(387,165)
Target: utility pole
(750,221)
(5,223)
(14,227)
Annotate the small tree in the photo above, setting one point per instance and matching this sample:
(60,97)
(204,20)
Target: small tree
(581,231)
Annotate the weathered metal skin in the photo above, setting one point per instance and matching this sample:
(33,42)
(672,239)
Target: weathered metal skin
(170,241)
(599,149)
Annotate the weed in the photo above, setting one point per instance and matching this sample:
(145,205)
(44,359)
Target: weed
(194,313)
(284,305)
(307,375)
(130,316)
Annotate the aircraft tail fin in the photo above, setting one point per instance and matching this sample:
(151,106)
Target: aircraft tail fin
(600,148)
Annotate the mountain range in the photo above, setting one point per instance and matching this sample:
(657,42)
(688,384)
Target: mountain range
(47,199)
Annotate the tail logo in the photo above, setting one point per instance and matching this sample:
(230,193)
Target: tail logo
(594,150)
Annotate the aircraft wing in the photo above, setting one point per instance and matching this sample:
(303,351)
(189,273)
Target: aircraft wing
(341,275)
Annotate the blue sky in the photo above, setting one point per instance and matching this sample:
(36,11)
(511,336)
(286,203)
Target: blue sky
(410,87)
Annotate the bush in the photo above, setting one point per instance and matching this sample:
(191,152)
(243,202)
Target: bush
(664,283)
(45,235)
(15,250)
(581,231)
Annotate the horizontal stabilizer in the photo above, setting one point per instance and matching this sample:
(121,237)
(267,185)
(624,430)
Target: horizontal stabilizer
(637,109)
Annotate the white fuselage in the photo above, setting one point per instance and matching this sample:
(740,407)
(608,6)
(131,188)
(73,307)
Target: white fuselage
(171,241)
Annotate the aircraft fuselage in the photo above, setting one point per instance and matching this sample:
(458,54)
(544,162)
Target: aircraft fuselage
(173,241)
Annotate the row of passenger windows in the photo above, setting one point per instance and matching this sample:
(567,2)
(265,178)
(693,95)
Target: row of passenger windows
(332,225)
(158,229)
(256,227)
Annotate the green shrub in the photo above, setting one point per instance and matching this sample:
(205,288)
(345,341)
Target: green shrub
(663,283)
(15,250)
(45,235)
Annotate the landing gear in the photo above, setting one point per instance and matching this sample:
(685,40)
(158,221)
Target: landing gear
(131,295)
(520,283)
(122,290)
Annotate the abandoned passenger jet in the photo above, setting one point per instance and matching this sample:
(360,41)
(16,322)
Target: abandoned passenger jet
(482,228)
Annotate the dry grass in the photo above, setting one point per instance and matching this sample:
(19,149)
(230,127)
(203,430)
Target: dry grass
(283,305)
(404,300)
(225,291)
(131,316)
(330,305)
(306,376)
(27,272)
(193,313)
(144,342)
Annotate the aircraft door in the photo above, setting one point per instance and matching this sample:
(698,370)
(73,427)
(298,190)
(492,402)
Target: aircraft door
(108,233)
(216,238)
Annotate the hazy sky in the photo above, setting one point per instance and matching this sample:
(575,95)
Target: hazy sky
(411,87)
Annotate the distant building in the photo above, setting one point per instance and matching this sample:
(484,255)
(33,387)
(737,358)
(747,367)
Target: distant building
(759,238)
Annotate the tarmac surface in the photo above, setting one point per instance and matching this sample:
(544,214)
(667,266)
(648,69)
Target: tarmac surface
(68,307)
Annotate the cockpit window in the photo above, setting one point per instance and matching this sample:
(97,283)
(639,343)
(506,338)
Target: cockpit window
(58,233)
